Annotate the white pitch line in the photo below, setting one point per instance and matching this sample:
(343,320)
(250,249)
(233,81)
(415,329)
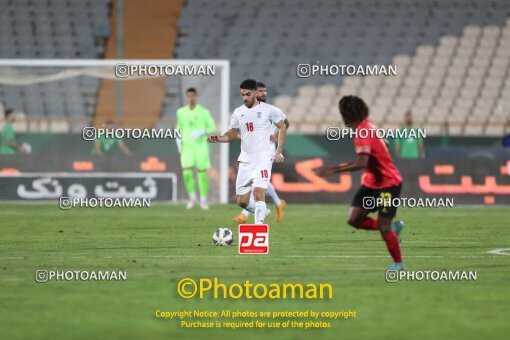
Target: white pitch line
(326,256)
(499,251)
(384,256)
(238,255)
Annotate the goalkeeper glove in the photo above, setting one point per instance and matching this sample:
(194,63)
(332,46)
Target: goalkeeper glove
(197,134)
(179,145)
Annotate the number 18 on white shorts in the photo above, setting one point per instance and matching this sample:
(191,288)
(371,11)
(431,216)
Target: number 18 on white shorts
(256,173)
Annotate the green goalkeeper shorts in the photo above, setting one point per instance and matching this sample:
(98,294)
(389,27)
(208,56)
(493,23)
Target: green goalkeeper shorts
(195,155)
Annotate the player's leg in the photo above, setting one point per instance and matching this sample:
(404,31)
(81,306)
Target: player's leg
(279,203)
(358,214)
(203,164)
(243,200)
(203,188)
(244,183)
(397,226)
(391,240)
(247,202)
(261,211)
(189,184)
(261,179)
(243,216)
(187,164)
(358,219)
(386,214)
(271,192)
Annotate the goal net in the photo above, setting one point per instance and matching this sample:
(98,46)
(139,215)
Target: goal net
(52,101)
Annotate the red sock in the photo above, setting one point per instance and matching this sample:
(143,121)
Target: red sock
(391,240)
(369,223)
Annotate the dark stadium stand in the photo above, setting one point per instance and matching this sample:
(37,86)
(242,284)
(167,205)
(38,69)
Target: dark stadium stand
(54,29)
(452,56)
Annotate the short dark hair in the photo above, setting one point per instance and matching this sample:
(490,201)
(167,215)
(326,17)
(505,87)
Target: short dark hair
(261,84)
(8,112)
(191,89)
(248,84)
(353,109)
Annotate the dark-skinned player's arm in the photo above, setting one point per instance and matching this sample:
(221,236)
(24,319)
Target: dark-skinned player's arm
(359,163)
(227,137)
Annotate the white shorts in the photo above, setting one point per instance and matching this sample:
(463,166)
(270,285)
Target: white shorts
(253,174)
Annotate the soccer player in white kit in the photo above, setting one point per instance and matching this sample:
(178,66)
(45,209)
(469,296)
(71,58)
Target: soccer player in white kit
(254,121)
(270,191)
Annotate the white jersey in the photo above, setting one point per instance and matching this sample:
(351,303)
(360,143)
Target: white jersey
(255,125)
(275,128)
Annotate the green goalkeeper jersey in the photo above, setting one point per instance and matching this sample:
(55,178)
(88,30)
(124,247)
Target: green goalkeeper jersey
(196,124)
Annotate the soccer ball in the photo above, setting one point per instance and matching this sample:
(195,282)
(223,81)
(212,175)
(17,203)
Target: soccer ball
(223,237)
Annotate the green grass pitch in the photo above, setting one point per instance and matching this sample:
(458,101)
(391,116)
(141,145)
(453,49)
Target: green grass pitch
(160,245)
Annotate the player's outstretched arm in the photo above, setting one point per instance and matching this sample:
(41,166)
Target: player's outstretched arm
(282,133)
(360,162)
(227,137)
(274,138)
(287,124)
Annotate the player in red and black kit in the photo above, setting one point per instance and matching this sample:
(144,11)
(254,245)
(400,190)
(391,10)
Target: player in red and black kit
(381,179)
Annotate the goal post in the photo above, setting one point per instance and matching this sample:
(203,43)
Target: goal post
(60,95)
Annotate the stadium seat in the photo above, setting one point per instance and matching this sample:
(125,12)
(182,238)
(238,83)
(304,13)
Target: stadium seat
(452,57)
(53,29)
(445,59)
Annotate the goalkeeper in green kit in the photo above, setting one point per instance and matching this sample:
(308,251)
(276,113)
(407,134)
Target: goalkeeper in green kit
(196,124)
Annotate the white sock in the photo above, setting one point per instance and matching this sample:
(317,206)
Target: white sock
(260,212)
(272,193)
(203,200)
(251,205)
(245,213)
(193,197)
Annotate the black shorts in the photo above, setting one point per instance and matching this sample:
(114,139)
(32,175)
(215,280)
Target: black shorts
(366,198)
